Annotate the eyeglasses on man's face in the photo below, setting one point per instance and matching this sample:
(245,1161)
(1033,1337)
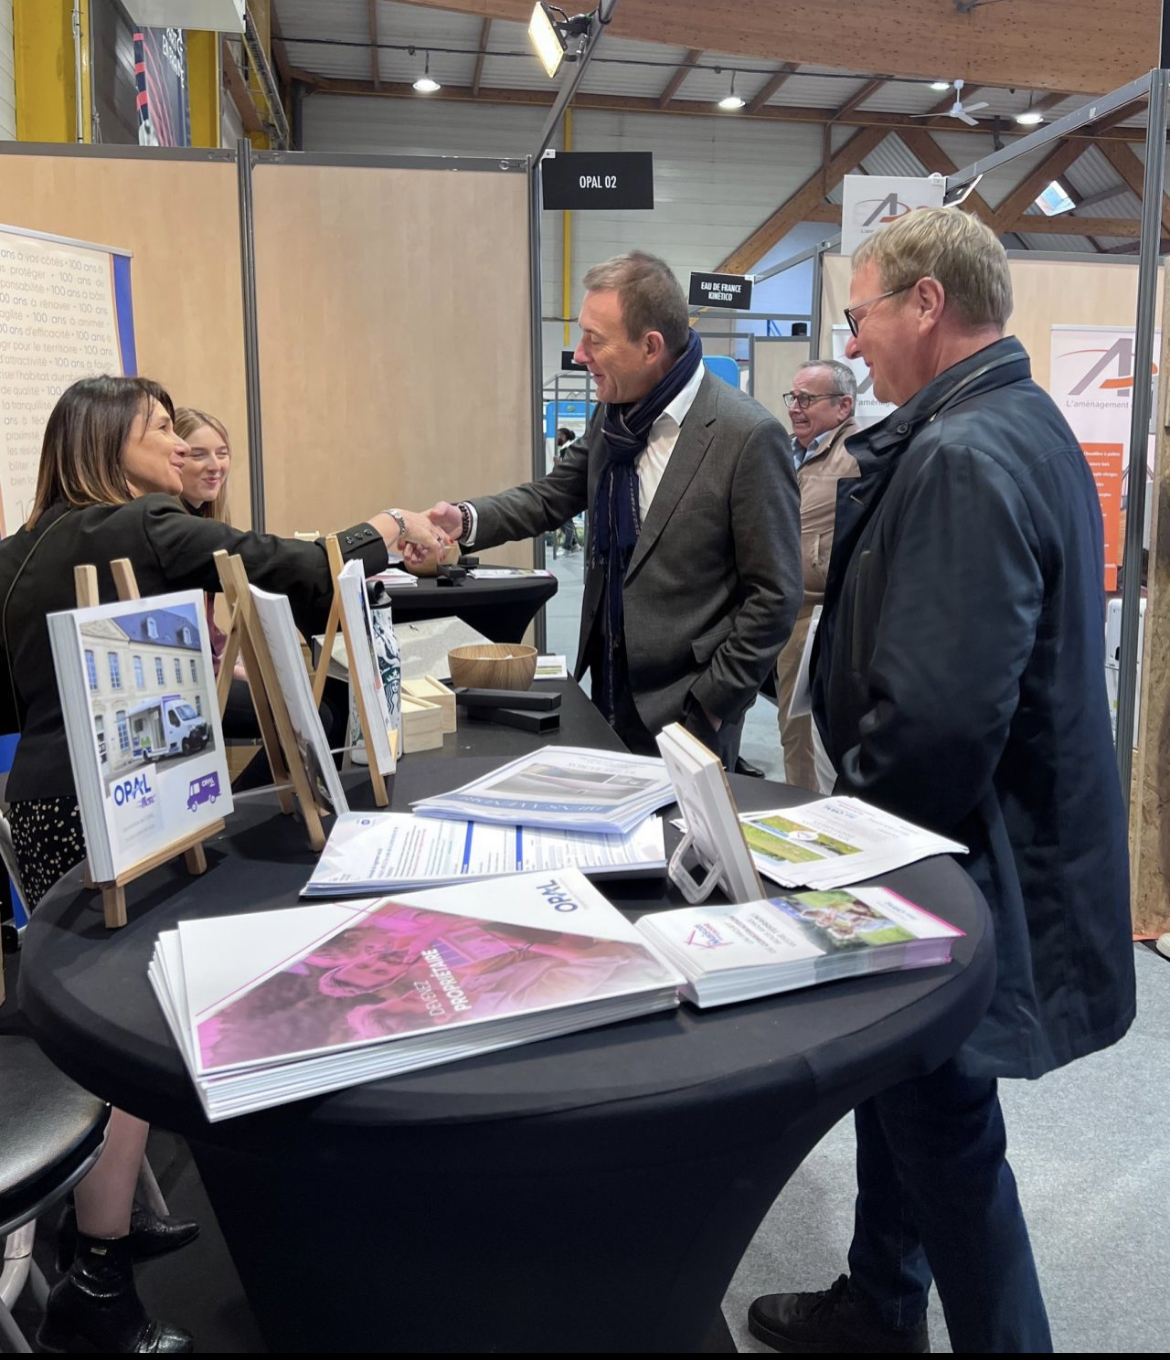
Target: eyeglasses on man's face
(805,399)
(851,312)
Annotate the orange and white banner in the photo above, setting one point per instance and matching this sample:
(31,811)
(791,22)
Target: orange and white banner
(1091,379)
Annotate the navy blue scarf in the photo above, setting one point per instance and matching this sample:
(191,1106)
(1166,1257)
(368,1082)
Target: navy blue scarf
(617,512)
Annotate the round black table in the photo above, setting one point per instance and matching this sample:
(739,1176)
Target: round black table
(499,609)
(590,1193)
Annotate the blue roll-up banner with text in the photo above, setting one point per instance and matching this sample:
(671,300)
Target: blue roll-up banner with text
(66,312)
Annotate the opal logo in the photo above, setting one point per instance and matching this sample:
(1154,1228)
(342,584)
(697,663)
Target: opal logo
(881,210)
(556,896)
(1110,371)
(134,790)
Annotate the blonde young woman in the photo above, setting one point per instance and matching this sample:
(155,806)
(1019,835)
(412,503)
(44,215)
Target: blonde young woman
(205,471)
(206,465)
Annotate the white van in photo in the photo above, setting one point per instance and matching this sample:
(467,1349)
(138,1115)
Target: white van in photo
(168,726)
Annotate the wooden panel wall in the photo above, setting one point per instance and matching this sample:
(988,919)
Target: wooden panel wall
(1046,292)
(180,218)
(775,363)
(1149,825)
(394,340)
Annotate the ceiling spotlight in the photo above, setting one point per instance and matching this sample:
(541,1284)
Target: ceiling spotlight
(426,84)
(940,85)
(551,36)
(1030,116)
(731,101)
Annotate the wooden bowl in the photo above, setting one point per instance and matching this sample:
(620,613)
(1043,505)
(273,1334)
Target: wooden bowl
(492,665)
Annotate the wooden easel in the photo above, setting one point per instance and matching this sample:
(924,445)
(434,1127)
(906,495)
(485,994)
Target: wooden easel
(189,846)
(337,618)
(246,637)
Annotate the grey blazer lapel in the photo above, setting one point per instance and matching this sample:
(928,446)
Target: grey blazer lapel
(694,439)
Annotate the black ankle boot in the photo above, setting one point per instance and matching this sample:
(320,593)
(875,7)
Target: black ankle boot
(150,1235)
(97,1307)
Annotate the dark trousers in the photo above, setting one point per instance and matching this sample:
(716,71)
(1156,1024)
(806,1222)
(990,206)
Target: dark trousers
(628,724)
(627,721)
(937,1198)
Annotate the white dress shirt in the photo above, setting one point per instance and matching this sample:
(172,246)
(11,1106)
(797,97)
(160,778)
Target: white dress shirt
(651,462)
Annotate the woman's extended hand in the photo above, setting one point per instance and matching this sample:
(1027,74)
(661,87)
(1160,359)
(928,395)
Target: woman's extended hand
(422,540)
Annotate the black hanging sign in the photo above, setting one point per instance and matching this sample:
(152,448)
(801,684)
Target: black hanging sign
(605,180)
(569,364)
(720,290)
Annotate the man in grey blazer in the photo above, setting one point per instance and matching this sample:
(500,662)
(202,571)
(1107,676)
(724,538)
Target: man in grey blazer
(692,568)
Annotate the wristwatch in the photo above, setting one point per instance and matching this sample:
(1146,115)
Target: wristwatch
(397,516)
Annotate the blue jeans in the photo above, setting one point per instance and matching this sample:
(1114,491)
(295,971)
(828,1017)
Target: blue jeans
(934,1185)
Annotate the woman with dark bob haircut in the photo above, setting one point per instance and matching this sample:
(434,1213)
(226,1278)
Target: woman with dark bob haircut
(108,487)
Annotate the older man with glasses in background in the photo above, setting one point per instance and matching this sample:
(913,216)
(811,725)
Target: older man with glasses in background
(820,410)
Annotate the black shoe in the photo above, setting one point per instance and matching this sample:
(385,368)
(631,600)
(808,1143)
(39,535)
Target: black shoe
(831,1321)
(743,767)
(96,1307)
(150,1235)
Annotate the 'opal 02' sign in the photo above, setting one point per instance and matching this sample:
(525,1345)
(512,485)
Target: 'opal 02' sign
(598,180)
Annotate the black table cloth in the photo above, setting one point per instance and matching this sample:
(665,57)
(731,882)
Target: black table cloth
(499,609)
(589,1193)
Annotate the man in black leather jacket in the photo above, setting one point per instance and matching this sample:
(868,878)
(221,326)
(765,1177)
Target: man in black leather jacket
(959,682)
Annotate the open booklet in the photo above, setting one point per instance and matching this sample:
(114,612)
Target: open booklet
(570,788)
(373,852)
(753,949)
(834,841)
(283,1004)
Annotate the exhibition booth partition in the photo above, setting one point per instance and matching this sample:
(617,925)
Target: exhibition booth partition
(362,325)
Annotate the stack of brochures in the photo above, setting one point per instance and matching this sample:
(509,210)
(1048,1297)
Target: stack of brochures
(378,852)
(835,841)
(280,1005)
(754,949)
(393,578)
(566,787)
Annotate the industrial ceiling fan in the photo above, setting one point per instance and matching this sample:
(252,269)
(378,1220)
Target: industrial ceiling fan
(957,109)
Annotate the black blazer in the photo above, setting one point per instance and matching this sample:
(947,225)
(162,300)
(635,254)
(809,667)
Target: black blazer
(169,549)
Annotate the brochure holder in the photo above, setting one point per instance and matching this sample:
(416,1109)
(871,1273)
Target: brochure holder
(714,837)
(365,702)
(694,889)
(190,846)
(280,742)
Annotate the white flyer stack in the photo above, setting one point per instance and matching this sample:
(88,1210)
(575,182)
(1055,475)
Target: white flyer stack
(569,788)
(753,949)
(834,841)
(280,1005)
(378,852)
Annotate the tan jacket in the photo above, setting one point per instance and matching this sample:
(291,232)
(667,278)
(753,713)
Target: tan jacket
(818,477)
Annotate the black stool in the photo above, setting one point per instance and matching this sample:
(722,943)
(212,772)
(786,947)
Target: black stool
(51,1133)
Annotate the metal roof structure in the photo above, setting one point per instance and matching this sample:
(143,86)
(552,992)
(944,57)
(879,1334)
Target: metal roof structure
(378,47)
